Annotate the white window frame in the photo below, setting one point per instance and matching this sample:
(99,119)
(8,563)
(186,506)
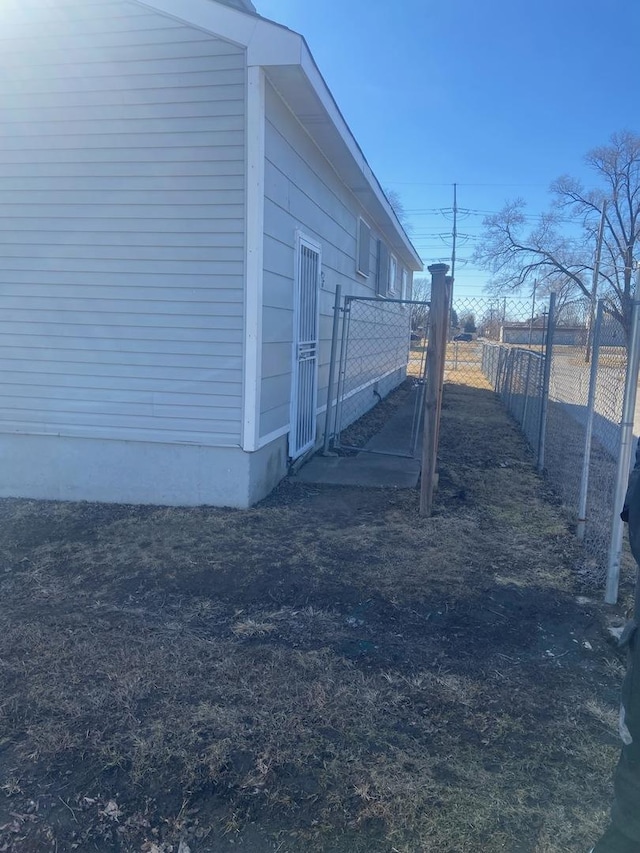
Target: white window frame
(404,289)
(365,273)
(382,272)
(393,275)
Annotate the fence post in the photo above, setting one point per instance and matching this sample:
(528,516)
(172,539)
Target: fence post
(526,395)
(588,435)
(346,319)
(438,326)
(332,368)
(509,379)
(626,448)
(521,392)
(500,371)
(546,379)
(448,282)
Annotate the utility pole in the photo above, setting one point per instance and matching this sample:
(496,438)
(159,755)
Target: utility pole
(453,260)
(594,283)
(455,231)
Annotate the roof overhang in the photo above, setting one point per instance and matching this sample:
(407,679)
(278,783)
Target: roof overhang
(291,69)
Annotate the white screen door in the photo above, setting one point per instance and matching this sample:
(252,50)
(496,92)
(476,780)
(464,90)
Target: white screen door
(304,392)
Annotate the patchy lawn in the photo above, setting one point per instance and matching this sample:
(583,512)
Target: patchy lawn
(325,672)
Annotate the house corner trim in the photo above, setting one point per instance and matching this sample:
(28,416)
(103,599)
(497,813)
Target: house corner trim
(254,237)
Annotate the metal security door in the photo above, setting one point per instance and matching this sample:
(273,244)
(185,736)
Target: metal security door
(304,393)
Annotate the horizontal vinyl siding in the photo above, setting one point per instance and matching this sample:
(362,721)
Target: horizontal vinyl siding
(122,207)
(302,192)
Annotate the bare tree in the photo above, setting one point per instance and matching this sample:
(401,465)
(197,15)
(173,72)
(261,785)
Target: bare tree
(467,322)
(559,250)
(395,200)
(570,301)
(421,292)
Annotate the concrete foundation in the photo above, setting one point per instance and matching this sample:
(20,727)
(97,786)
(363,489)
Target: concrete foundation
(114,471)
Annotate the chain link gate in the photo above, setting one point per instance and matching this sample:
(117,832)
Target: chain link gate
(382,343)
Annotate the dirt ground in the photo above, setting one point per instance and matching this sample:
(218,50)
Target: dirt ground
(324,672)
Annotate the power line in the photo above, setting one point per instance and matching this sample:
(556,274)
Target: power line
(429,184)
(464,212)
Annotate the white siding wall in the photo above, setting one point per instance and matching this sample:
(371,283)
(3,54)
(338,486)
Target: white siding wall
(121,224)
(302,192)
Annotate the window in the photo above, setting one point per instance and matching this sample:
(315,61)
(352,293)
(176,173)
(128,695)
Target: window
(363,248)
(393,275)
(382,272)
(404,293)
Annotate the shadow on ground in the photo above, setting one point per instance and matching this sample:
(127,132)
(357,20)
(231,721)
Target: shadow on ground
(324,672)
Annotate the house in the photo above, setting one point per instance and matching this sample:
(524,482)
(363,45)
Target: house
(180,197)
(568,335)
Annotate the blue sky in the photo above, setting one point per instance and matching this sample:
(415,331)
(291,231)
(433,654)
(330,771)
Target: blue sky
(500,96)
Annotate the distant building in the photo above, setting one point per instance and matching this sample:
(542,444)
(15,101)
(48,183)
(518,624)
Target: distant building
(525,334)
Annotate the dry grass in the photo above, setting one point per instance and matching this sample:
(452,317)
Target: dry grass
(324,672)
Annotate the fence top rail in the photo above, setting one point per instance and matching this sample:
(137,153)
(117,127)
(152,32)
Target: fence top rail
(385,301)
(529,352)
(609,309)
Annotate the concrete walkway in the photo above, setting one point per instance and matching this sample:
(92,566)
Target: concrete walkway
(372,469)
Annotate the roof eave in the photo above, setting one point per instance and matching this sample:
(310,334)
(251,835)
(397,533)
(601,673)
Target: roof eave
(291,68)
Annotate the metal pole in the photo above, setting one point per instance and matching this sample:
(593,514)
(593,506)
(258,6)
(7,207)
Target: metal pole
(546,379)
(418,412)
(423,340)
(526,396)
(504,374)
(499,387)
(448,291)
(332,368)
(626,449)
(591,400)
(508,378)
(520,384)
(594,284)
(533,310)
(455,232)
(346,320)
(543,339)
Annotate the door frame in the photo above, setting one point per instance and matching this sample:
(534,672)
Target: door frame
(302,239)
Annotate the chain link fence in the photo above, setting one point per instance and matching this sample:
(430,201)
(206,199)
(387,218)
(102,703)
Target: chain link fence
(571,417)
(517,375)
(475,322)
(565,391)
(573,412)
(382,343)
